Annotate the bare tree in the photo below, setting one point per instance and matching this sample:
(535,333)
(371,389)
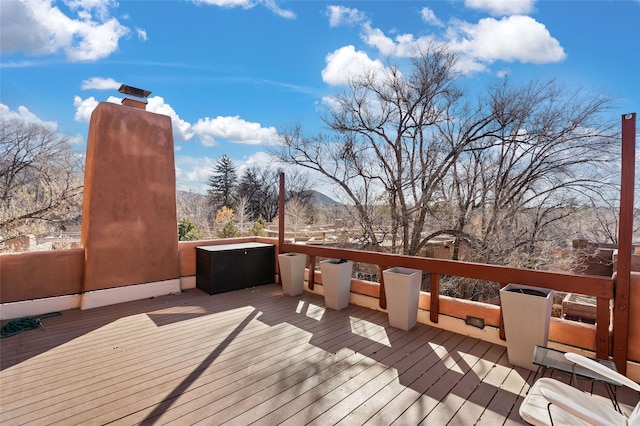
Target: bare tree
(40,178)
(599,222)
(242,212)
(387,147)
(297,214)
(516,189)
(197,208)
(260,186)
(506,167)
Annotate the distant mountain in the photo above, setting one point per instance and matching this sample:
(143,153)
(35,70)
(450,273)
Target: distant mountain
(321,199)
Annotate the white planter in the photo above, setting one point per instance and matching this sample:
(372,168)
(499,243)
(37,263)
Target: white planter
(526,321)
(336,282)
(292,272)
(402,288)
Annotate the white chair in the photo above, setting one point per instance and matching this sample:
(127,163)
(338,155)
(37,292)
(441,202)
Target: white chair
(551,402)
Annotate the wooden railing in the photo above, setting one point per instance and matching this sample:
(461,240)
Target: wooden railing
(600,287)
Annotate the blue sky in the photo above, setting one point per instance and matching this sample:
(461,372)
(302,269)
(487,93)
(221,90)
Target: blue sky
(232,73)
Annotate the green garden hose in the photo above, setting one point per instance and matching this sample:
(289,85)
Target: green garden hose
(28,323)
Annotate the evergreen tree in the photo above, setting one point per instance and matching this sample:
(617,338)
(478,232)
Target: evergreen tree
(258,229)
(188,231)
(229,230)
(223,183)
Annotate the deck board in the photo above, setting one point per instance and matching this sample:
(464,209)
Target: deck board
(252,356)
(367,387)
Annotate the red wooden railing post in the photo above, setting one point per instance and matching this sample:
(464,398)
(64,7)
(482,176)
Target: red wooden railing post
(382,295)
(622,281)
(281,212)
(312,272)
(603,316)
(434,289)
(502,334)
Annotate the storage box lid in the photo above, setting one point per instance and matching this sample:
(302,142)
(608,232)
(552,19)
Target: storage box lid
(236,246)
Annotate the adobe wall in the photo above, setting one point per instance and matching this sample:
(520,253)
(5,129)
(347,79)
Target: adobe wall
(129,226)
(40,274)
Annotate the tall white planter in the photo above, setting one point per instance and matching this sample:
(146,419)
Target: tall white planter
(526,312)
(402,288)
(336,281)
(292,272)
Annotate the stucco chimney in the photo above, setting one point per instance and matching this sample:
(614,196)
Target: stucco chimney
(134,103)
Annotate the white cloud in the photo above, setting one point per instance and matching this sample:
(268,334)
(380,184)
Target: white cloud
(503,73)
(247,4)
(330,101)
(340,15)
(142,34)
(25,115)
(466,64)
(192,173)
(514,38)
(36,27)
(376,38)
(19,30)
(100,7)
(283,13)
(235,130)
(84,108)
(403,45)
(346,63)
(430,17)
(260,160)
(78,139)
(182,130)
(96,41)
(100,83)
(272,5)
(502,7)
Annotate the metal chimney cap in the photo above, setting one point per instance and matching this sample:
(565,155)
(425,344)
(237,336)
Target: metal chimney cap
(134,91)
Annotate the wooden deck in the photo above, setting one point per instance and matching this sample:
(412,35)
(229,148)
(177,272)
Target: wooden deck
(252,356)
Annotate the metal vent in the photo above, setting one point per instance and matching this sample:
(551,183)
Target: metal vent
(134,91)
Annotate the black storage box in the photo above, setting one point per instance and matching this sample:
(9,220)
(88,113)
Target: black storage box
(231,267)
